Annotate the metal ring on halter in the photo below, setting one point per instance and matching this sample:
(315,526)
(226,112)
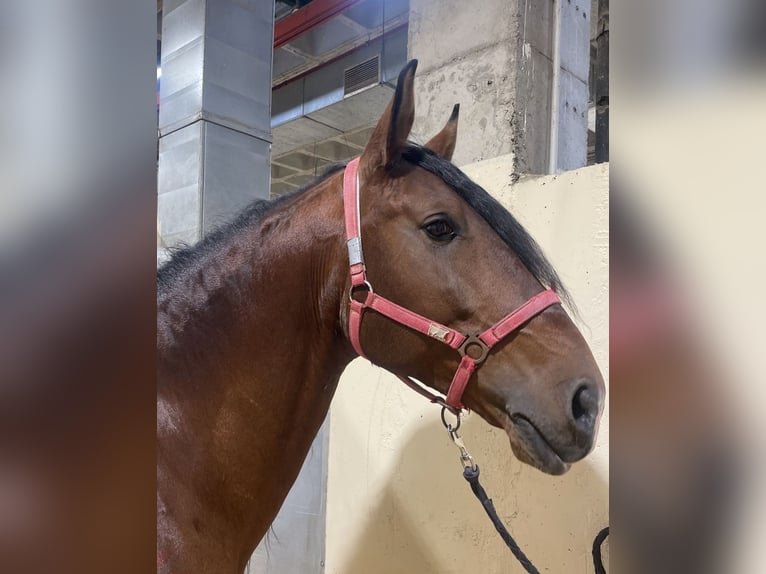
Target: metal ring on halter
(474,340)
(449,426)
(366,285)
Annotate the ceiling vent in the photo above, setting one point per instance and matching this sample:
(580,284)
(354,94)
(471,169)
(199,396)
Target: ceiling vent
(361,76)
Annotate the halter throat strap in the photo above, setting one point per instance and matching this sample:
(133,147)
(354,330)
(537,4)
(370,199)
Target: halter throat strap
(473,349)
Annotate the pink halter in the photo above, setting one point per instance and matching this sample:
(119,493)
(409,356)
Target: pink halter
(479,345)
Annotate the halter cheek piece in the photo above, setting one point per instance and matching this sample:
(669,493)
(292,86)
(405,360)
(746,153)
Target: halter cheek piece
(472,348)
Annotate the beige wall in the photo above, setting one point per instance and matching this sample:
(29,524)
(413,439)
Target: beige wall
(397,502)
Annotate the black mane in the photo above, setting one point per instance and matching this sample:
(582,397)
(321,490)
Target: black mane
(185,257)
(505,225)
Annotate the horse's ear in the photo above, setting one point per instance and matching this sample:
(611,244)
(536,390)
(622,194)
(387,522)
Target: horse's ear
(389,138)
(443,143)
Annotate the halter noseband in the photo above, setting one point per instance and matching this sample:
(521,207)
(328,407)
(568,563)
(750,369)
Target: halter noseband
(472,348)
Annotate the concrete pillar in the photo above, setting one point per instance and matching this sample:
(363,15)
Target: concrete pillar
(574,68)
(602,82)
(496,59)
(215,113)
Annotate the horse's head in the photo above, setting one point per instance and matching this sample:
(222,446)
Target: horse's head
(439,245)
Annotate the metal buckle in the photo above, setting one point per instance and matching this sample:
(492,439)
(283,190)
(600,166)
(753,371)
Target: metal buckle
(366,285)
(470,341)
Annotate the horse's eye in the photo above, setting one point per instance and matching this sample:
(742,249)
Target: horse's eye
(440,230)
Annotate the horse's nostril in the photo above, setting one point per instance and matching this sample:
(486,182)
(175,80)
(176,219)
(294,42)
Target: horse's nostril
(585,406)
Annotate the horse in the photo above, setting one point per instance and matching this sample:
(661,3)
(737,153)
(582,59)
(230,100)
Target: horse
(397,256)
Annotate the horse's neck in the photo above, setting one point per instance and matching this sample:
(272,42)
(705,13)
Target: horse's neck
(246,383)
(285,272)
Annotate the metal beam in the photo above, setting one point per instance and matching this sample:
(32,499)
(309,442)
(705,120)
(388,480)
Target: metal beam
(342,51)
(308,17)
(353,24)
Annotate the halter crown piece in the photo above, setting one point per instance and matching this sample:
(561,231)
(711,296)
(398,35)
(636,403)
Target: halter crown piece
(477,345)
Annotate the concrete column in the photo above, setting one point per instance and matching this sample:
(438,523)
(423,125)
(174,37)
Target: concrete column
(574,54)
(215,113)
(496,59)
(602,83)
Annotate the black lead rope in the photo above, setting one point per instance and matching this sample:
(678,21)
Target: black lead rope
(598,564)
(471,474)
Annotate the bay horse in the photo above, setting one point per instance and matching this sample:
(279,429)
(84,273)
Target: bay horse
(257,322)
